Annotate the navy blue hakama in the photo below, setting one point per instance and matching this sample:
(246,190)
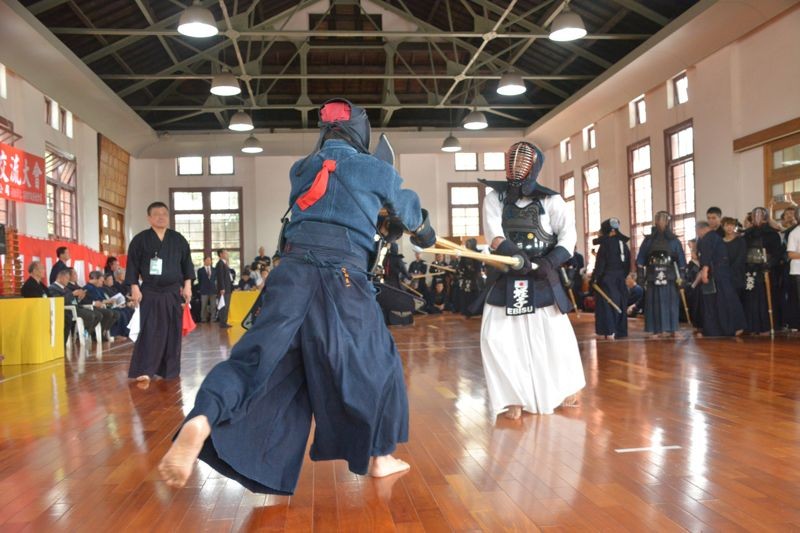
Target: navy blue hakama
(318,348)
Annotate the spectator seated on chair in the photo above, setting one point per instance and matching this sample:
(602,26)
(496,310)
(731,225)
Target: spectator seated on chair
(122,306)
(97,299)
(58,288)
(33,286)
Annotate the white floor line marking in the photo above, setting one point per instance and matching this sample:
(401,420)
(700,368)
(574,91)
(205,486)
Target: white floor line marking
(649,449)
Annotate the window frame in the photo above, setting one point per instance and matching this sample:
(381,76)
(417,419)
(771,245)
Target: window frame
(9,137)
(481,196)
(676,101)
(455,157)
(590,137)
(3,82)
(233,166)
(637,115)
(632,177)
(59,186)
(587,235)
(485,168)
(206,211)
(202,166)
(670,165)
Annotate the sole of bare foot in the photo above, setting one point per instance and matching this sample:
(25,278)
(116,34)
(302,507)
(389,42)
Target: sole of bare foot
(386,465)
(143,378)
(178,463)
(514,412)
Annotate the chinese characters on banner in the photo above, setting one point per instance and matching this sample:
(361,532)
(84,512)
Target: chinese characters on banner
(22,176)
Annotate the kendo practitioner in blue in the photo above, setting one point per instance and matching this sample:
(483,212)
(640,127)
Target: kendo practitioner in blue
(319,346)
(660,260)
(762,270)
(612,265)
(723,315)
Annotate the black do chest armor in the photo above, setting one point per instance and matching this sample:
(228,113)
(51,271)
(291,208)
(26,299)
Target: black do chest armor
(523,226)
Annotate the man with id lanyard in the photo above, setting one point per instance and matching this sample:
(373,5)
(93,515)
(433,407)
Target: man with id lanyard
(160,273)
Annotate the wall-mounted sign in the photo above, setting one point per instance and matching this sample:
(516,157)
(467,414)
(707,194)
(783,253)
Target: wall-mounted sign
(22,177)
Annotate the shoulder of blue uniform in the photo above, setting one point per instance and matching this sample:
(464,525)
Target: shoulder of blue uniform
(502,186)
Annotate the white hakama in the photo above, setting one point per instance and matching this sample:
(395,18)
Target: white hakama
(530,360)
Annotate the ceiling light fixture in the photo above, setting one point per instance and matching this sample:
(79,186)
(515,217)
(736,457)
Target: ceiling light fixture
(511,84)
(225,84)
(241,121)
(197,21)
(252,145)
(451,144)
(475,121)
(567,26)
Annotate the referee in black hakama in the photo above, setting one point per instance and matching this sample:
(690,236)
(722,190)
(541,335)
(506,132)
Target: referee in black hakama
(612,266)
(160,274)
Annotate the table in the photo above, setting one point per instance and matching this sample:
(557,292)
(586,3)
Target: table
(31,330)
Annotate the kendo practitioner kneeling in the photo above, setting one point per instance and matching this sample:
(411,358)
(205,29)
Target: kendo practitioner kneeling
(318,347)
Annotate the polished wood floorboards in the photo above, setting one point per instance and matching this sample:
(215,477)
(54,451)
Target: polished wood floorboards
(719,418)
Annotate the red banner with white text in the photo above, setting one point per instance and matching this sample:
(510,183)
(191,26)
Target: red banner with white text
(22,176)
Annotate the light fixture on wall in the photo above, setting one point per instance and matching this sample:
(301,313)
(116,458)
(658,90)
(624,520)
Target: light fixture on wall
(451,144)
(476,120)
(197,21)
(225,84)
(252,145)
(567,26)
(240,121)
(511,84)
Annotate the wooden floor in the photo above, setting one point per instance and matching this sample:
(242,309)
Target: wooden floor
(80,444)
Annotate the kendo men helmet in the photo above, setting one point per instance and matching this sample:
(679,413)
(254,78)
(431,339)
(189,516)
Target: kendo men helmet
(524,161)
(760,216)
(340,115)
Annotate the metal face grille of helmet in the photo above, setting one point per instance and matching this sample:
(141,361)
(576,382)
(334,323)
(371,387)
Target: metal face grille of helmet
(520,159)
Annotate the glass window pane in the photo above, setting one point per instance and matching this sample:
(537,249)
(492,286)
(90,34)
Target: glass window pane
(787,157)
(187,201)
(220,164)
(641,159)
(191,226)
(494,161)
(641,111)
(592,177)
(224,200)
(225,231)
(464,195)
(682,89)
(466,161)
(190,166)
(643,196)
(593,211)
(569,187)
(197,258)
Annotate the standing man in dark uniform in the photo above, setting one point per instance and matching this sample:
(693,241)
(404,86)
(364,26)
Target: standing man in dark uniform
(660,260)
(208,290)
(160,275)
(224,281)
(470,282)
(722,310)
(761,264)
(611,267)
(319,346)
(63,256)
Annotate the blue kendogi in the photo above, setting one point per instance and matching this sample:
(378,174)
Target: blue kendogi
(319,346)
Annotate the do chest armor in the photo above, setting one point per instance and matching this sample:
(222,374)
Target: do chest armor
(523,226)
(659,252)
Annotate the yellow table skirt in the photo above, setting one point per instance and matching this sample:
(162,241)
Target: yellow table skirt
(241,302)
(31,330)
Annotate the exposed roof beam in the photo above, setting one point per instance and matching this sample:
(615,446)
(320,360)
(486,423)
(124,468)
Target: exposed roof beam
(215,48)
(149,18)
(232,36)
(290,35)
(338,76)
(44,5)
(644,11)
(131,39)
(213,109)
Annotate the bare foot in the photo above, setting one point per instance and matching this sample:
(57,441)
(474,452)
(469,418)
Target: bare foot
(571,401)
(177,464)
(143,382)
(386,465)
(143,378)
(514,412)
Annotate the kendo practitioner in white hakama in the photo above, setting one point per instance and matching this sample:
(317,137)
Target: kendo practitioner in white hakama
(530,354)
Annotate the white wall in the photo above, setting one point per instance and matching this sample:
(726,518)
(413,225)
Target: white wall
(25,107)
(742,88)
